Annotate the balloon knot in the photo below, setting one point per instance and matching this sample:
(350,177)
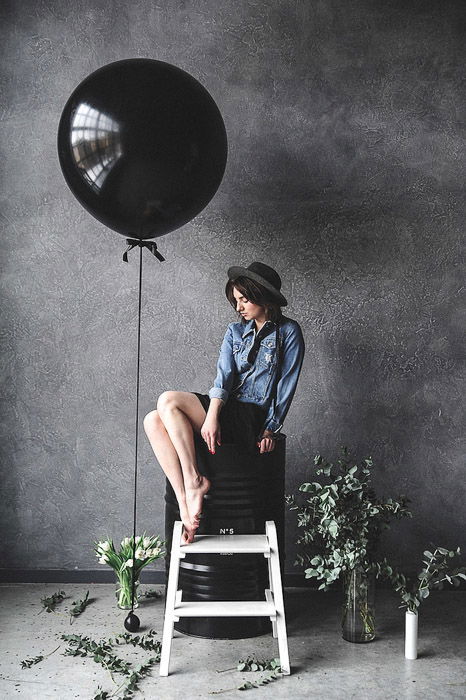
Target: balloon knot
(151,245)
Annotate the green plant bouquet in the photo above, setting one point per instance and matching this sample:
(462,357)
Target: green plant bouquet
(342,520)
(148,549)
(436,570)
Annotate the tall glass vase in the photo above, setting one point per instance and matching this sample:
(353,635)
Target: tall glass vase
(358,610)
(123,590)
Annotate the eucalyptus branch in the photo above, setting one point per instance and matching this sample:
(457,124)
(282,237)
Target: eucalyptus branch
(27,663)
(252,664)
(145,641)
(341,519)
(101,694)
(265,680)
(49,604)
(153,593)
(134,678)
(79,607)
(435,572)
(248,685)
(102,653)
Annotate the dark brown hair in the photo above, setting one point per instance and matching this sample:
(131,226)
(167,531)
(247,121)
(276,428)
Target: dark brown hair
(255,292)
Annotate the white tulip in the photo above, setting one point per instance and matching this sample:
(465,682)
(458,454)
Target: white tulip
(146,542)
(103,559)
(125,542)
(129,563)
(140,553)
(105,546)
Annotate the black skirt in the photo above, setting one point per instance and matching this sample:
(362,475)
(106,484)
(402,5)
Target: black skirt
(241,423)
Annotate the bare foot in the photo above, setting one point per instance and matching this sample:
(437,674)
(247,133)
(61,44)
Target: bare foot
(187,536)
(195,492)
(189,529)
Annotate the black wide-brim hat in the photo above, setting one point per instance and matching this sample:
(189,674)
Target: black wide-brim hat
(264,275)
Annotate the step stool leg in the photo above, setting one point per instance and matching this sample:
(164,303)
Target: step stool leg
(269,594)
(170,599)
(273,618)
(276,584)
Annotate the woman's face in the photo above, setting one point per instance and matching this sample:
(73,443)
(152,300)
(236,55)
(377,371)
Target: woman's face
(248,309)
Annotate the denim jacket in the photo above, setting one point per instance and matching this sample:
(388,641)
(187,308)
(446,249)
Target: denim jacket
(253,383)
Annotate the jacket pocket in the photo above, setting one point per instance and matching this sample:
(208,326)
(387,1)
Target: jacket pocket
(267,353)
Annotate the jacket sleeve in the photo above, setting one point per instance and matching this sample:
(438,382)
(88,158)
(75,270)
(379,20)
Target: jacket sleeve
(226,369)
(292,361)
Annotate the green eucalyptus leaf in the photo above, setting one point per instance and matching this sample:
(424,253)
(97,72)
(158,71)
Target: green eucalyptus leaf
(246,686)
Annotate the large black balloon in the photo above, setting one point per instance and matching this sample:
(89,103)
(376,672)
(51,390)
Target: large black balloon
(142,146)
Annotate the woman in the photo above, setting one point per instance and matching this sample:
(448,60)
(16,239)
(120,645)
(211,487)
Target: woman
(257,372)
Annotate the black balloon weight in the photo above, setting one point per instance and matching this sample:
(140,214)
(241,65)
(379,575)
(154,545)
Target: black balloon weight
(132,622)
(142,146)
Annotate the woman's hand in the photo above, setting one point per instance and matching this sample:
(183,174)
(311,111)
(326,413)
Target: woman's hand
(267,442)
(210,432)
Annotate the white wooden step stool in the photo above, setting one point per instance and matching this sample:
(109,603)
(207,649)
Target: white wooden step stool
(271,607)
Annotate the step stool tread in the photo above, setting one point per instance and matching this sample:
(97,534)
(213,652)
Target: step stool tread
(225,608)
(235,544)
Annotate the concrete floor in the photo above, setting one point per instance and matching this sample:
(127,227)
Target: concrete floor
(323,664)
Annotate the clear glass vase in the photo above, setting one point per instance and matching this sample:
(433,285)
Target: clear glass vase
(358,610)
(123,591)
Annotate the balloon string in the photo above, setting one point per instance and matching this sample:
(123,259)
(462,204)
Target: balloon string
(151,245)
(136,428)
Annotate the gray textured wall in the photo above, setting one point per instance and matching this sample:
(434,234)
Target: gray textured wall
(346,172)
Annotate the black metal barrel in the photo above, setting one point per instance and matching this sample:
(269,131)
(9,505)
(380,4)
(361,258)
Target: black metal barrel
(246,490)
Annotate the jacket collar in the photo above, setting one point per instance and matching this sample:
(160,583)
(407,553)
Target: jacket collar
(251,325)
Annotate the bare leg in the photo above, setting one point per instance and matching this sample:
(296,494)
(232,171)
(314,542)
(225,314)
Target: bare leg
(182,414)
(189,486)
(168,460)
